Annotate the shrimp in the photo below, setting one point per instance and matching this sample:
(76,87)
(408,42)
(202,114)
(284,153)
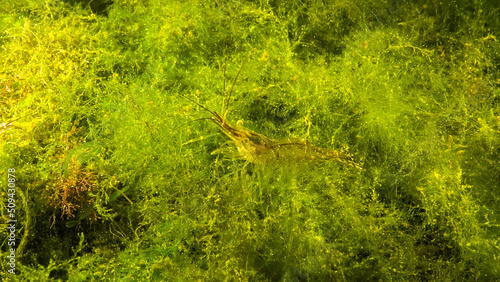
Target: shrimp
(261,150)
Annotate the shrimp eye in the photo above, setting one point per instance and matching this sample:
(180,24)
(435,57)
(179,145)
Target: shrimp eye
(239,124)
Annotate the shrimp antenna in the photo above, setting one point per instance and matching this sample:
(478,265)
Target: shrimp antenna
(224,82)
(224,112)
(194,120)
(199,105)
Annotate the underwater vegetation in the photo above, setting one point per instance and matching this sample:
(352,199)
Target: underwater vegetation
(250,140)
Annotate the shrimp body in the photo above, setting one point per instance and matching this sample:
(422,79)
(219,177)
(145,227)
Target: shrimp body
(260,149)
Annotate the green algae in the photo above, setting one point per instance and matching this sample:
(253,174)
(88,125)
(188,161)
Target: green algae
(94,122)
